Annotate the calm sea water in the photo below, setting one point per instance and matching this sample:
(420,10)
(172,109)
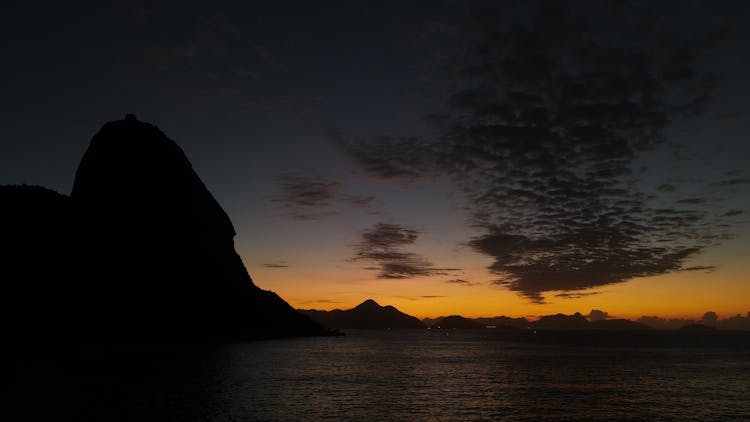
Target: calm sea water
(398,375)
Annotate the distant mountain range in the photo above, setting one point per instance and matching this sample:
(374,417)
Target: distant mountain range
(367,315)
(370,315)
(547,322)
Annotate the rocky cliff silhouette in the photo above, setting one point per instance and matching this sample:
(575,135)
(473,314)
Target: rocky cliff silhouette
(140,250)
(367,315)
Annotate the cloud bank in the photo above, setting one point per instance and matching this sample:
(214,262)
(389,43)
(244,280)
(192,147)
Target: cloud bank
(541,133)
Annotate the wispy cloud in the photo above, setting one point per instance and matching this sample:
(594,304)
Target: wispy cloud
(575,295)
(310,196)
(598,315)
(220,23)
(326,301)
(705,268)
(382,244)
(420,297)
(731,182)
(276,264)
(460,281)
(692,201)
(246,72)
(666,188)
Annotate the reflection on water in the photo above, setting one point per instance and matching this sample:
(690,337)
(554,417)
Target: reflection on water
(401,375)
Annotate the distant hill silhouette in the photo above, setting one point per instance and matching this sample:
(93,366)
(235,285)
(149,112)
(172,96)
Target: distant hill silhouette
(140,250)
(736,322)
(618,325)
(698,328)
(455,321)
(561,322)
(367,315)
(503,321)
(547,322)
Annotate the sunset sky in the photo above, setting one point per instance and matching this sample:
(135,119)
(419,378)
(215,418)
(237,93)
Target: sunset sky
(444,157)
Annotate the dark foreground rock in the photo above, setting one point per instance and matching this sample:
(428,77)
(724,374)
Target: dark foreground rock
(140,250)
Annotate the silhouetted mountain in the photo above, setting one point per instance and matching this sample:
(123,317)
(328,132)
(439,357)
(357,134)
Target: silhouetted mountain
(579,322)
(503,321)
(698,328)
(36,258)
(737,322)
(561,322)
(455,321)
(367,315)
(618,325)
(141,250)
(428,322)
(496,322)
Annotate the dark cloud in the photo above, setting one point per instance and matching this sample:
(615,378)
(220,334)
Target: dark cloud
(460,281)
(731,117)
(321,301)
(733,213)
(706,268)
(419,297)
(709,318)
(383,243)
(307,196)
(358,200)
(277,264)
(666,188)
(575,295)
(388,157)
(692,201)
(246,72)
(597,315)
(542,130)
(219,22)
(731,182)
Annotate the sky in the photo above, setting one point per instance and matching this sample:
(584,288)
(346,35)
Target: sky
(444,157)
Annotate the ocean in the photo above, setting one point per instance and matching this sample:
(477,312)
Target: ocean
(398,375)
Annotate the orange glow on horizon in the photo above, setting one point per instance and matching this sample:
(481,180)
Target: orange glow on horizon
(326,282)
(675,295)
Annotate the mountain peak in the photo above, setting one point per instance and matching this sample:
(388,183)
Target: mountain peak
(368,314)
(369,303)
(132,170)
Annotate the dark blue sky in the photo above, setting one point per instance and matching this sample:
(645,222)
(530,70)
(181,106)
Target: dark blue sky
(461,149)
